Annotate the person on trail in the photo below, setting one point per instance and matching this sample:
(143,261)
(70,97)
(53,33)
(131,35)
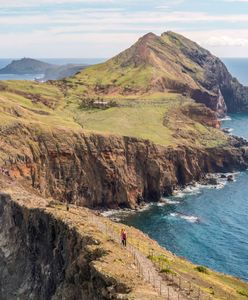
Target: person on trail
(123,237)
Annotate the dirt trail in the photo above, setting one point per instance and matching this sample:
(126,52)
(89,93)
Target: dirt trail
(145,266)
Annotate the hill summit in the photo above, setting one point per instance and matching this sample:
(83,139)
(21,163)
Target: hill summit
(169,63)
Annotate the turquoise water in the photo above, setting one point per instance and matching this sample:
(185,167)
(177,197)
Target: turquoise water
(208,226)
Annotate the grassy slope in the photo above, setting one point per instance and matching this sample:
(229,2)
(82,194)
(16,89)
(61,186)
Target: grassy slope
(140,69)
(16,105)
(142,119)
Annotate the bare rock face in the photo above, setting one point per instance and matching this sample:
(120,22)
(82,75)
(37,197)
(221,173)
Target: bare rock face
(42,258)
(201,114)
(36,256)
(109,171)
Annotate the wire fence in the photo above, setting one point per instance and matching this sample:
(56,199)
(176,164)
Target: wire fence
(169,285)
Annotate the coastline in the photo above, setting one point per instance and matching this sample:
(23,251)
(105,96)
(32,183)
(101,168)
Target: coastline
(211,181)
(184,221)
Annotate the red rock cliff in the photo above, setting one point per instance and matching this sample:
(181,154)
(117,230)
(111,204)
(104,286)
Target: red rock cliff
(108,171)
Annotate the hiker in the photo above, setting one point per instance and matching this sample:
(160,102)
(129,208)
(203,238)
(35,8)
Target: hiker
(123,237)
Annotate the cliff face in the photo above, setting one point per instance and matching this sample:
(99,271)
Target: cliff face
(230,95)
(108,171)
(40,257)
(48,253)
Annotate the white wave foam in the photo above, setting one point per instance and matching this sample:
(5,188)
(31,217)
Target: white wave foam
(189,190)
(109,213)
(173,214)
(167,201)
(227,118)
(172,202)
(191,219)
(192,189)
(178,194)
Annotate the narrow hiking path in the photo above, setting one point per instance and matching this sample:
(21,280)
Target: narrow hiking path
(166,289)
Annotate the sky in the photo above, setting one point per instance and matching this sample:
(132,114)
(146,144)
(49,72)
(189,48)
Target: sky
(103,28)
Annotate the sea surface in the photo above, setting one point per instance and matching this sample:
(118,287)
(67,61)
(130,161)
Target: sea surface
(57,61)
(207,225)
(238,67)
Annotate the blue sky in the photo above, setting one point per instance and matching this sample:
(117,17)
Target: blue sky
(102,28)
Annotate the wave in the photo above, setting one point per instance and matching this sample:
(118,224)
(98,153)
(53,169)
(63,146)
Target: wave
(188,191)
(190,219)
(167,202)
(227,118)
(110,212)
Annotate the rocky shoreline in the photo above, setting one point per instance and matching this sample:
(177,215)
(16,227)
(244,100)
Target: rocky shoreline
(216,181)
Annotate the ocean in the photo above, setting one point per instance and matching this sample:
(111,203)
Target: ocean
(238,67)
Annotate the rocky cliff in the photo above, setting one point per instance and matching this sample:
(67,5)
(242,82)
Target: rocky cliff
(108,171)
(48,253)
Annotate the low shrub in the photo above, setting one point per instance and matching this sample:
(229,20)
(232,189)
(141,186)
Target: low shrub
(243,292)
(202,269)
(167,271)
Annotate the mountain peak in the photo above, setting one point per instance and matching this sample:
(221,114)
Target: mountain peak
(161,64)
(139,53)
(148,36)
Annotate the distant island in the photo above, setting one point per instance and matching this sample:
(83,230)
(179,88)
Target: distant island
(35,67)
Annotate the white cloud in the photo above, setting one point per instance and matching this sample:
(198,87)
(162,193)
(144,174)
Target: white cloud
(222,43)
(33,3)
(106,31)
(226,40)
(223,37)
(244,1)
(119,16)
(41,44)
